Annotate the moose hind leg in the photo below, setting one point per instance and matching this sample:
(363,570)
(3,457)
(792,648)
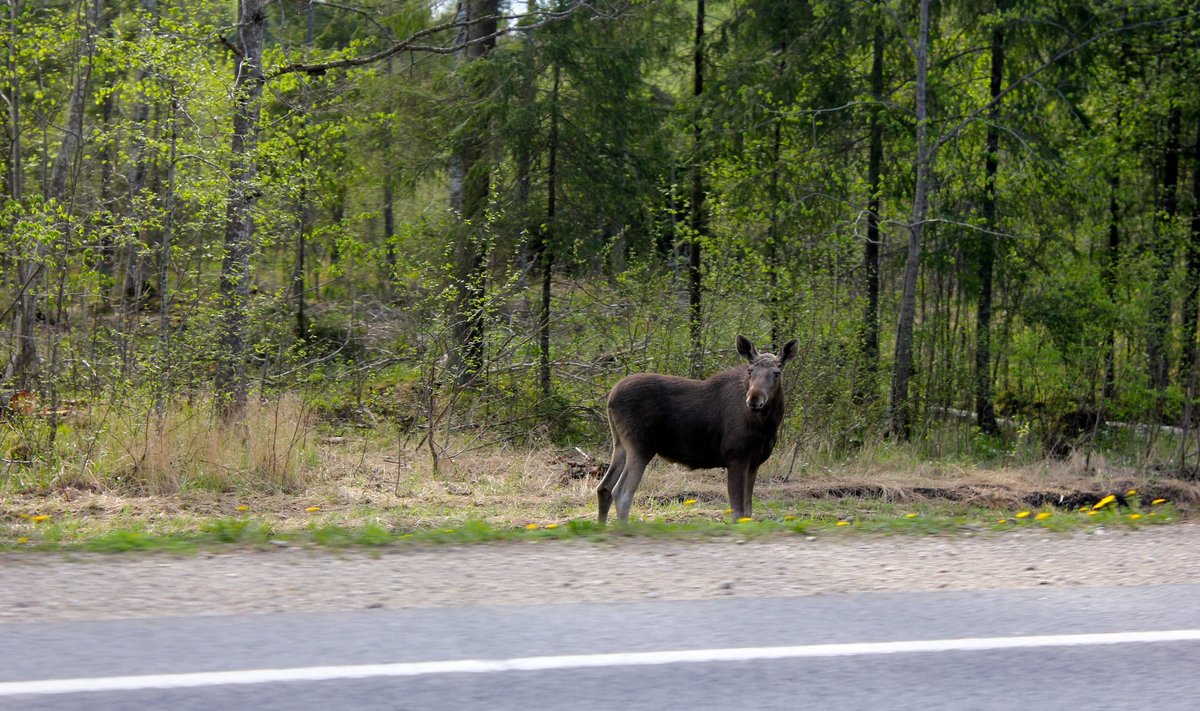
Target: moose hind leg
(635,466)
(604,491)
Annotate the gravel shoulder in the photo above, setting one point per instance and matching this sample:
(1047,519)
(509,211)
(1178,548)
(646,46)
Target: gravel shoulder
(58,586)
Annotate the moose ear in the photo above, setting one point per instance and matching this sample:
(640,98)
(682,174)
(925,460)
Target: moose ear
(789,351)
(746,349)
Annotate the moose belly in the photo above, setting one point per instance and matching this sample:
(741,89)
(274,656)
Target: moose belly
(713,453)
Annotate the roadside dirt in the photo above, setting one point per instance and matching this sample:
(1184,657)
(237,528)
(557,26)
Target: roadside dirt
(55,586)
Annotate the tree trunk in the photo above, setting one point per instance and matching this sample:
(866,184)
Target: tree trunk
(1157,347)
(107,159)
(1191,303)
(545,253)
(1112,258)
(470,184)
(301,207)
(389,231)
(867,385)
(164,265)
(68,150)
(25,360)
(337,213)
(985,411)
(298,288)
(135,278)
(1191,298)
(775,233)
(900,408)
(699,224)
(231,385)
(389,216)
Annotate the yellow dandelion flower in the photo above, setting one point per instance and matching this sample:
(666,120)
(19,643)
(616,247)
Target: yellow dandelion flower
(1003,520)
(689,502)
(24,515)
(312,509)
(1131,492)
(1093,512)
(531,527)
(552,525)
(1043,515)
(745,519)
(39,518)
(843,523)
(1156,502)
(243,508)
(23,539)
(1134,517)
(910,515)
(728,510)
(789,517)
(1023,514)
(1104,502)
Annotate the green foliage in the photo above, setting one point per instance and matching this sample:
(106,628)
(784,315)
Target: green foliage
(358,266)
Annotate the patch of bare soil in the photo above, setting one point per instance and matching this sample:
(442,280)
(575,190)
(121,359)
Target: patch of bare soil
(53,586)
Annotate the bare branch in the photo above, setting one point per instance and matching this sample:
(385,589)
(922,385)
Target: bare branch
(230,46)
(411,43)
(358,11)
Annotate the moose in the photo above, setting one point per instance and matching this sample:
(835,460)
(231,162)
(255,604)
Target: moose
(728,420)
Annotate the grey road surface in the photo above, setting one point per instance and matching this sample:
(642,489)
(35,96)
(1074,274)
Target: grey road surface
(573,668)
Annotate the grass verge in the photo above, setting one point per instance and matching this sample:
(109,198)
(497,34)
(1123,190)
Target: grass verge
(370,491)
(785,520)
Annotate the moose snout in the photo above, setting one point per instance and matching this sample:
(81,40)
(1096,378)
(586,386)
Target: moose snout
(755,401)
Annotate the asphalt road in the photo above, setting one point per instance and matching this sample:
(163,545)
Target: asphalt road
(948,650)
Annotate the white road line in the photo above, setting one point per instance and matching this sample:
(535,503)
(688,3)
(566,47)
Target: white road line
(579,661)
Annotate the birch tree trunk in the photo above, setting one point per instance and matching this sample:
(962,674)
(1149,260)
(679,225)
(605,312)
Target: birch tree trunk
(20,367)
(231,384)
(900,409)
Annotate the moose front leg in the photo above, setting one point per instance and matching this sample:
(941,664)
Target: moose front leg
(751,475)
(737,474)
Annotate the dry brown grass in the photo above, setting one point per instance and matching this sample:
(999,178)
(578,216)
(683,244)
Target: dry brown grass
(367,480)
(268,450)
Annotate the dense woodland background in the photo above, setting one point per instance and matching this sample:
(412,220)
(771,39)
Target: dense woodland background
(465,221)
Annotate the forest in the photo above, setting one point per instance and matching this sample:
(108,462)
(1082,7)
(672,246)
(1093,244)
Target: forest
(235,230)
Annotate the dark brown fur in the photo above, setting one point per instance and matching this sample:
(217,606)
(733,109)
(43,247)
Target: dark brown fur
(729,420)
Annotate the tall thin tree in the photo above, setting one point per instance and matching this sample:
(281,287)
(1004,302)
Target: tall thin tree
(698,220)
(870,335)
(231,384)
(470,185)
(899,406)
(545,247)
(985,411)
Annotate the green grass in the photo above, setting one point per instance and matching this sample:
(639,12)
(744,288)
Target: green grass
(817,519)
